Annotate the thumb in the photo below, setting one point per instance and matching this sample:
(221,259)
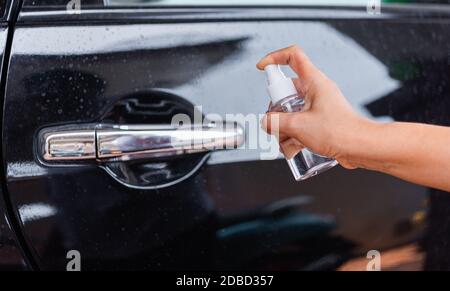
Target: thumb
(280,123)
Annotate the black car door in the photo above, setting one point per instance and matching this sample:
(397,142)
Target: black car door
(96,63)
(12,255)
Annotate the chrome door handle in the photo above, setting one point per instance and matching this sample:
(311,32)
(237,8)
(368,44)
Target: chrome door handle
(130,142)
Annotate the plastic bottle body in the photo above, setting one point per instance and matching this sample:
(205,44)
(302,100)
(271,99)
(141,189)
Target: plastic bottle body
(303,164)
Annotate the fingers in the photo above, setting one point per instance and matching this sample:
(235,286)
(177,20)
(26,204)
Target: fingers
(304,88)
(290,147)
(282,124)
(292,56)
(346,164)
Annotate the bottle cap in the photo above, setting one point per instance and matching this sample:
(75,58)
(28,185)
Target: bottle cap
(279,85)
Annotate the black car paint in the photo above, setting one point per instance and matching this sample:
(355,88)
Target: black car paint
(63,73)
(11,255)
(14,254)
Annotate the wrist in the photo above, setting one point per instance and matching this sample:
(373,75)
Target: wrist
(358,143)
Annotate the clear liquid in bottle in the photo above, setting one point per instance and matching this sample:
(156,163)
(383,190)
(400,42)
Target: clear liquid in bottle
(303,164)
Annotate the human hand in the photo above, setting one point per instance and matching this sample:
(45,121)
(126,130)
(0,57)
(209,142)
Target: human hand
(327,122)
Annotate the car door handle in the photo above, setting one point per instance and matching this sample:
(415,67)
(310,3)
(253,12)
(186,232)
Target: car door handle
(130,142)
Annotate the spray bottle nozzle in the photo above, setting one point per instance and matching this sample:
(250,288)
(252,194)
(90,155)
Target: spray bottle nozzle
(279,85)
(274,74)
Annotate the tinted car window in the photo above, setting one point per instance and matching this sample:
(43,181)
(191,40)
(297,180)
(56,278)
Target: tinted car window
(262,2)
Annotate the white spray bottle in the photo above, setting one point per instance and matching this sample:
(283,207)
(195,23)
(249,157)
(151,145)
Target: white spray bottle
(285,98)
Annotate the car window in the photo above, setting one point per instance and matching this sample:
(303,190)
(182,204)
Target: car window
(237,2)
(259,2)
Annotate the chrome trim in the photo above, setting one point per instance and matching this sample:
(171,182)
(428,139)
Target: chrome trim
(69,145)
(130,142)
(211,13)
(141,141)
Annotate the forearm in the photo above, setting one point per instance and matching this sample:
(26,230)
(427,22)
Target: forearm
(415,152)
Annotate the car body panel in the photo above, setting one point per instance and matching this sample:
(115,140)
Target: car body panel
(75,72)
(12,254)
